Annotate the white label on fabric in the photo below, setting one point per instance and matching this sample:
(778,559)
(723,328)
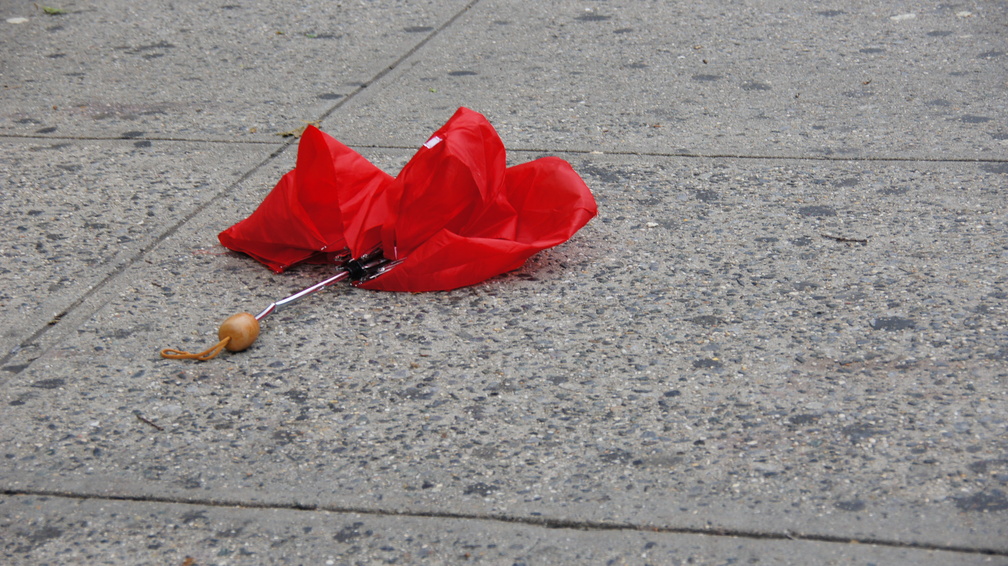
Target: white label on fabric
(432,142)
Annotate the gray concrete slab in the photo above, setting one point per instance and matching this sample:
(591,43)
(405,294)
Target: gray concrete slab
(233,70)
(77,211)
(48,530)
(744,357)
(744,369)
(762,78)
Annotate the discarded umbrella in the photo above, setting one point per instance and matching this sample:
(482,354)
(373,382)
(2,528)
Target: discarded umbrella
(454,216)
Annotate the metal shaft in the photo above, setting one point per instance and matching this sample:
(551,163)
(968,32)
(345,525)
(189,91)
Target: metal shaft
(367,267)
(276,305)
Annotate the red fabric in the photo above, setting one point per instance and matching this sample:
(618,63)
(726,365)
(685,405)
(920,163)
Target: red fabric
(454,216)
(321,208)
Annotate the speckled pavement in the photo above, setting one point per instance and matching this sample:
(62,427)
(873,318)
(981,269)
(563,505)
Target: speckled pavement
(783,340)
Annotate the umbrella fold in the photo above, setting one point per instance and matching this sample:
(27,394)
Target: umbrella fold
(454,216)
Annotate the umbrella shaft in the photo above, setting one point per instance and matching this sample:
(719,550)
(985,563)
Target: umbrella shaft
(288,300)
(369,265)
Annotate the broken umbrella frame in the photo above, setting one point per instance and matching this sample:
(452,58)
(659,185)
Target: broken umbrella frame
(455,215)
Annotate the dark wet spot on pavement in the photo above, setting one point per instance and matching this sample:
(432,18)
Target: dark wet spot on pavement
(592,17)
(480,488)
(994,500)
(706,363)
(605,174)
(488,452)
(41,536)
(191,516)
(853,505)
(351,532)
(191,482)
(707,195)
(284,437)
(616,456)
(803,419)
(418,392)
(817,210)
(857,433)
(986,467)
(706,320)
(296,395)
(892,323)
(894,191)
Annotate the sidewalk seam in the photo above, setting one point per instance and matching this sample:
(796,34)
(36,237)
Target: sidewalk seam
(543,522)
(395,64)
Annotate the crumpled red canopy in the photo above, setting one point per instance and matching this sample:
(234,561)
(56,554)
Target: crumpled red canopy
(454,216)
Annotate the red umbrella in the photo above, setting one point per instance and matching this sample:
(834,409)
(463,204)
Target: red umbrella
(454,216)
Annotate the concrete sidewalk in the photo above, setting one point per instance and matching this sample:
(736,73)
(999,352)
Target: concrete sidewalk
(784,339)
